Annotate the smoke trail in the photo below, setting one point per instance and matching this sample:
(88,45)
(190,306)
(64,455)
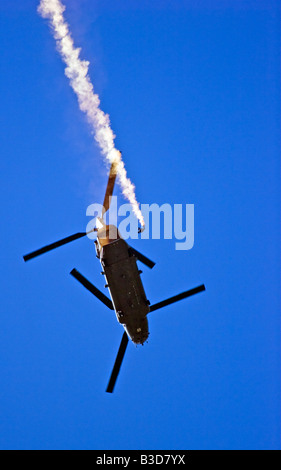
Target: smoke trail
(77,72)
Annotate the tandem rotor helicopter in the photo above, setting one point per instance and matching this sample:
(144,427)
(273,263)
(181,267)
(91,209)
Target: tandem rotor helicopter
(120,270)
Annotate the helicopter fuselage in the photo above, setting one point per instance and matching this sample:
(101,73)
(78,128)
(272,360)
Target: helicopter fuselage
(125,287)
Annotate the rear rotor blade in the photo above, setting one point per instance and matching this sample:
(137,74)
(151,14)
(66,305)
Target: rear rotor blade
(93,289)
(118,362)
(109,188)
(52,246)
(142,258)
(178,297)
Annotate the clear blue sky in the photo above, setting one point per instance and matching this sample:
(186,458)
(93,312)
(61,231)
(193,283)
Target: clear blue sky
(193,95)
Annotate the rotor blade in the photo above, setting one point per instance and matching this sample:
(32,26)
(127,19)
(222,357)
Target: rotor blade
(118,362)
(142,258)
(178,297)
(52,246)
(94,290)
(109,188)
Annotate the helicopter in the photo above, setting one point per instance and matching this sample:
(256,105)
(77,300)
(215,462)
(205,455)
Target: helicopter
(123,280)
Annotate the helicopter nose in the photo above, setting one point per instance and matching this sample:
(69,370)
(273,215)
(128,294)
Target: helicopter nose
(140,334)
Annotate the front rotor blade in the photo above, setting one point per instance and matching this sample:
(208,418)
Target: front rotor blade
(110,187)
(52,246)
(93,289)
(118,362)
(178,297)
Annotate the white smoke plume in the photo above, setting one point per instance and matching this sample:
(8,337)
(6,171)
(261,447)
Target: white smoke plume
(77,72)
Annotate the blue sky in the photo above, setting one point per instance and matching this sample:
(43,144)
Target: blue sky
(192,90)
